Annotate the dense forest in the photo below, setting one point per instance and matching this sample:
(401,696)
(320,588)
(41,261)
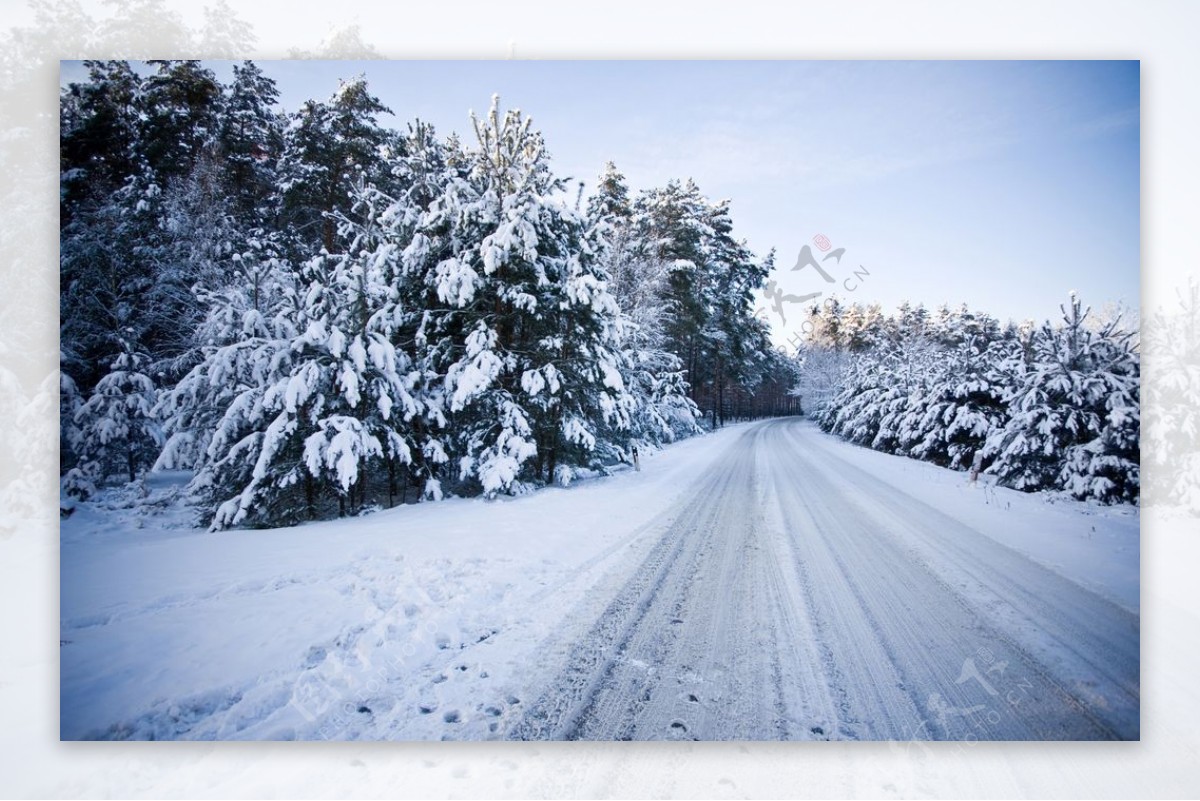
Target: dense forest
(1042,407)
(317,313)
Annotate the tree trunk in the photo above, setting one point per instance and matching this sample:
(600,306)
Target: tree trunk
(391,481)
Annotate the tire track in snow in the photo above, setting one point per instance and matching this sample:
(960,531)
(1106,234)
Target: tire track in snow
(928,627)
(1082,644)
(607,680)
(793,595)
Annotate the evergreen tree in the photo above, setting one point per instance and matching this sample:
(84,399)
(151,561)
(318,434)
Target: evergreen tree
(639,282)
(673,225)
(528,344)
(248,323)
(118,435)
(1074,418)
(106,276)
(250,141)
(98,127)
(328,148)
(328,394)
(610,204)
(180,108)
(1047,408)
(963,404)
(711,281)
(821,375)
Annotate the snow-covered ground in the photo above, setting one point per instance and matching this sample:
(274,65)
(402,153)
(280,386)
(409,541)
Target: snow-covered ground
(177,632)
(1096,546)
(764,581)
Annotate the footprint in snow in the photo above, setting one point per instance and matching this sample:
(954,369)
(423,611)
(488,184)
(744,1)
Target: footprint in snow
(316,656)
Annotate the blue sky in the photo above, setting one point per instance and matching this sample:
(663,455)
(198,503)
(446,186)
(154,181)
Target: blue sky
(1002,184)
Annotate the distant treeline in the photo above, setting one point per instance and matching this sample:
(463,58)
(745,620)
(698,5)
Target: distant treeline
(1041,407)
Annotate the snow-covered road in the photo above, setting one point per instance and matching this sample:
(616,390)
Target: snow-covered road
(763,582)
(793,595)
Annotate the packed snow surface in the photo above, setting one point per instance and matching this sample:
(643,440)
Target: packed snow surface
(763,582)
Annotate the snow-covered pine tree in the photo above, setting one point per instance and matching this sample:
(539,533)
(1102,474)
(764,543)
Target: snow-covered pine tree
(854,413)
(248,322)
(98,126)
(1108,468)
(879,397)
(712,277)
(199,232)
(1074,418)
(861,327)
(250,141)
(826,324)
(910,322)
(328,148)
(326,403)
(180,107)
(821,373)
(963,404)
(673,222)
(132,253)
(639,282)
(118,436)
(107,215)
(526,340)
(738,343)
(422,169)
(904,391)
(610,204)
(368,417)
(910,368)
(950,327)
